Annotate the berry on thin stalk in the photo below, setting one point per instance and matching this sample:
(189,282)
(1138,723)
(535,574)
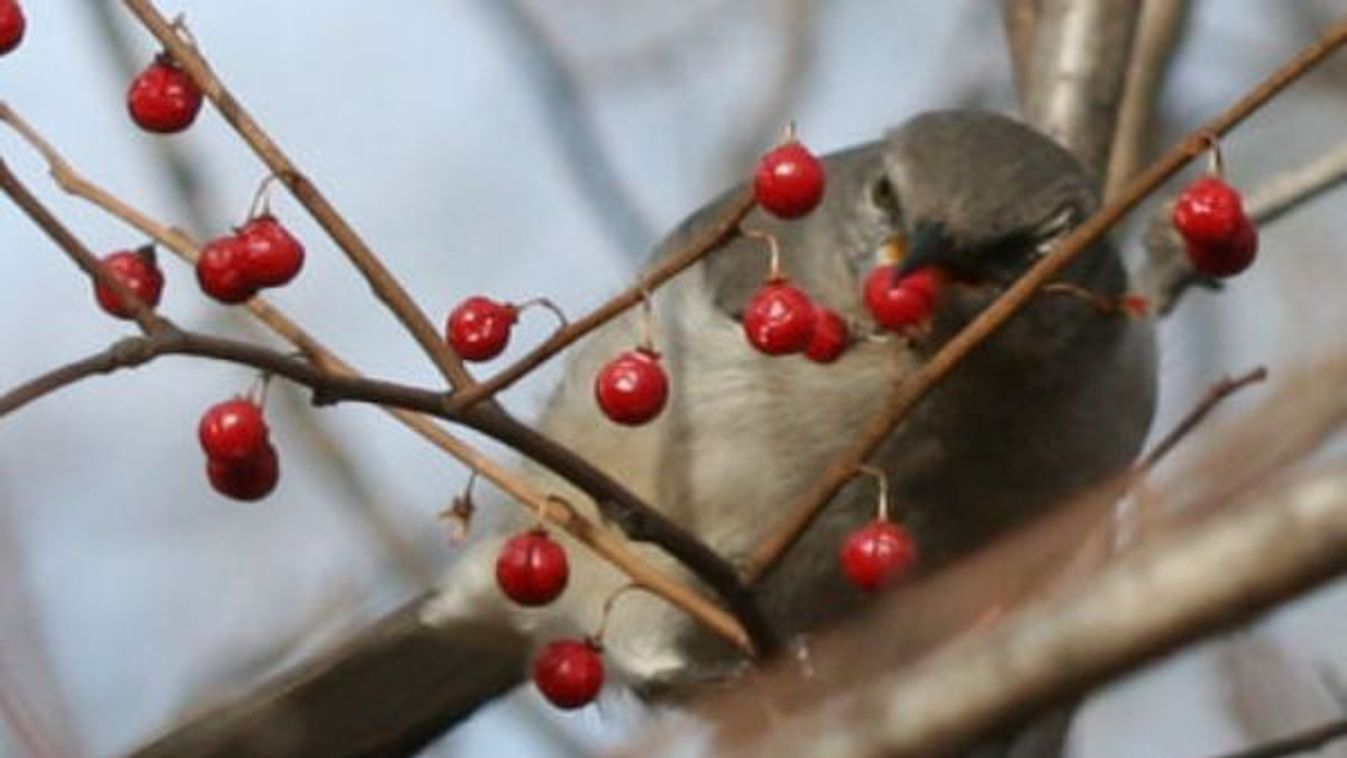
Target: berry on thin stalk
(904,303)
(532,569)
(789,181)
(138,270)
(163,98)
(478,328)
(12,25)
(222,270)
(569,673)
(878,554)
(274,257)
(246,480)
(1220,238)
(233,431)
(830,338)
(632,388)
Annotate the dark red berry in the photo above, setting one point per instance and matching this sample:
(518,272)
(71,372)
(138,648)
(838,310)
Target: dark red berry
(12,25)
(569,673)
(878,554)
(222,270)
(233,431)
(779,319)
(479,328)
(830,336)
(136,269)
(789,181)
(250,479)
(1209,211)
(163,98)
(274,255)
(632,388)
(532,568)
(904,303)
(1225,257)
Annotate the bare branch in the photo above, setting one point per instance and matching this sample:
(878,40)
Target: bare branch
(1081,49)
(1304,742)
(570,123)
(1021,22)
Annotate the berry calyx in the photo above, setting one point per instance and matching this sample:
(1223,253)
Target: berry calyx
(12,25)
(138,270)
(532,569)
(222,270)
(878,554)
(789,181)
(779,320)
(233,431)
(904,303)
(163,98)
(1209,210)
(569,673)
(830,337)
(478,329)
(632,388)
(274,256)
(250,479)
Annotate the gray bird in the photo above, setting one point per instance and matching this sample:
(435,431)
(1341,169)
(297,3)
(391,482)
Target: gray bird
(1059,398)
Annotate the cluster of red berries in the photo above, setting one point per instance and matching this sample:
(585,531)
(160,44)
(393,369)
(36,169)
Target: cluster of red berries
(12,25)
(533,570)
(262,253)
(241,462)
(1220,238)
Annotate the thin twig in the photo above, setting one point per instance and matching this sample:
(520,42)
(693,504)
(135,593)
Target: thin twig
(605,543)
(381,281)
(720,232)
(570,122)
(1302,742)
(911,391)
(1216,393)
(1283,193)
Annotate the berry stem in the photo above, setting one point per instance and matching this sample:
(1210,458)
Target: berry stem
(882,480)
(608,604)
(774,273)
(1215,161)
(261,202)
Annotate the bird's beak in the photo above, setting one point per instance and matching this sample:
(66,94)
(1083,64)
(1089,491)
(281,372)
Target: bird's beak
(927,246)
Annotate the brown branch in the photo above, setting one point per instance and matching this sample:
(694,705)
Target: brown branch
(1216,393)
(911,391)
(1157,35)
(1303,742)
(1020,18)
(606,543)
(1178,590)
(721,232)
(381,281)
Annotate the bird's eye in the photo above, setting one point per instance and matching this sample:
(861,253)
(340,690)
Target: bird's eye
(883,196)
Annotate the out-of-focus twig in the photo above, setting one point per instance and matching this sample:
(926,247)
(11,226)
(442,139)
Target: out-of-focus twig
(1081,49)
(1268,692)
(1157,36)
(570,122)
(1021,26)
(1304,742)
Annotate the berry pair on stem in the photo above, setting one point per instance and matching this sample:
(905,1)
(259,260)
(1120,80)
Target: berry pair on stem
(241,462)
(1219,237)
(262,253)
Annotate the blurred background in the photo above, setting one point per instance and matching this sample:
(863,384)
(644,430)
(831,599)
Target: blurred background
(514,148)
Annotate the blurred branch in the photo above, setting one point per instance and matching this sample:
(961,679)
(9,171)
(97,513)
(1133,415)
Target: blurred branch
(1158,32)
(1021,24)
(794,57)
(1080,54)
(1304,742)
(571,125)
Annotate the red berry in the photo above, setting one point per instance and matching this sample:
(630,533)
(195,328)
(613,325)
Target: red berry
(532,568)
(163,98)
(904,303)
(249,479)
(222,270)
(632,388)
(139,272)
(233,431)
(789,181)
(569,673)
(877,554)
(274,255)
(479,328)
(779,319)
(12,25)
(1225,257)
(830,336)
(1209,211)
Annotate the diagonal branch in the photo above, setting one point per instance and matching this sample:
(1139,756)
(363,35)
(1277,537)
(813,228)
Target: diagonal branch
(381,281)
(914,389)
